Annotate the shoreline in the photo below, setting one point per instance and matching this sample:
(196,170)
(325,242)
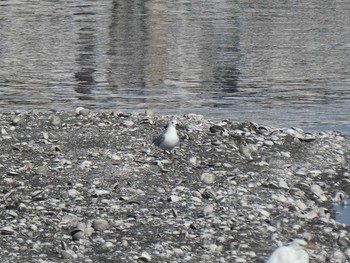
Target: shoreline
(91,187)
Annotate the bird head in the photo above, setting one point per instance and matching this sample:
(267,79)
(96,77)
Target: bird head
(171,122)
(301,243)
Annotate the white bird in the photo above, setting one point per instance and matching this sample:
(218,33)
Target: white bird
(168,140)
(294,252)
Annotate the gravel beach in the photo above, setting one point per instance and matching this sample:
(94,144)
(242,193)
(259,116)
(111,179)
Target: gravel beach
(91,187)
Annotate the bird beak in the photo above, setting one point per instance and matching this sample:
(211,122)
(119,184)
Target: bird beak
(310,247)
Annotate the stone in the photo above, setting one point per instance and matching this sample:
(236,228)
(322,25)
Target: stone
(100,225)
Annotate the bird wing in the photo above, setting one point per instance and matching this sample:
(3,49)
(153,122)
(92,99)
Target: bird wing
(159,140)
(285,255)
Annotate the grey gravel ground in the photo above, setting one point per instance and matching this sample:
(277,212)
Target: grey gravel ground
(91,187)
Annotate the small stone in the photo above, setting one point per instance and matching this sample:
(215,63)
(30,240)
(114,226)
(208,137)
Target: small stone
(109,244)
(77,234)
(128,123)
(17,120)
(73,193)
(174,198)
(317,190)
(7,230)
(196,199)
(302,206)
(68,254)
(216,129)
(268,143)
(3,131)
(86,164)
(33,228)
(56,120)
(209,209)
(88,231)
(282,184)
(82,111)
(149,113)
(69,221)
(115,208)
(42,170)
(115,157)
(286,154)
(193,160)
(101,192)
(178,252)
(208,178)
(100,225)
(145,257)
(339,256)
(45,135)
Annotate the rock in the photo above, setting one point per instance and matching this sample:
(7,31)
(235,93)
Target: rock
(178,252)
(208,178)
(128,123)
(317,190)
(145,257)
(174,198)
(17,120)
(100,225)
(73,193)
(56,120)
(7,230)
(42,170)
(77,234)
(82,111)
(208,209)
(69,221)
(86,164)
(282,184)
(339,256)
(68,254)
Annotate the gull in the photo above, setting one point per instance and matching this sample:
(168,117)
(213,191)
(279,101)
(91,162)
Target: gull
(294,252)
(168,139)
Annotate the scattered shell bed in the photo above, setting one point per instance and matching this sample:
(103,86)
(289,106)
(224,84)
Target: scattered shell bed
(91,187)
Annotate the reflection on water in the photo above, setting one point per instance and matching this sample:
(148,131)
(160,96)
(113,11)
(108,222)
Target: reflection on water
(280,63)
(343,212)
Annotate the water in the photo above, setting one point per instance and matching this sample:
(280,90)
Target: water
(279,63)
(343,212)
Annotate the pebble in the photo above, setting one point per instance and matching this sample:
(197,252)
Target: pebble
(56,120)
(145,257)
(208,178)
(178,252)
(7,230)
(77,234)
(283,184)
(69,254)
(339,256)
(82,111)
(208,209)
(128,123)
(100,225)
(317,190)
(73,193)
(17,120)
(69,221)
(268,143)
(174,198)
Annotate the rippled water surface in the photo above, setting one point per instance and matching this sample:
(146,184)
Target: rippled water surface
(343,212)
(281,63)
